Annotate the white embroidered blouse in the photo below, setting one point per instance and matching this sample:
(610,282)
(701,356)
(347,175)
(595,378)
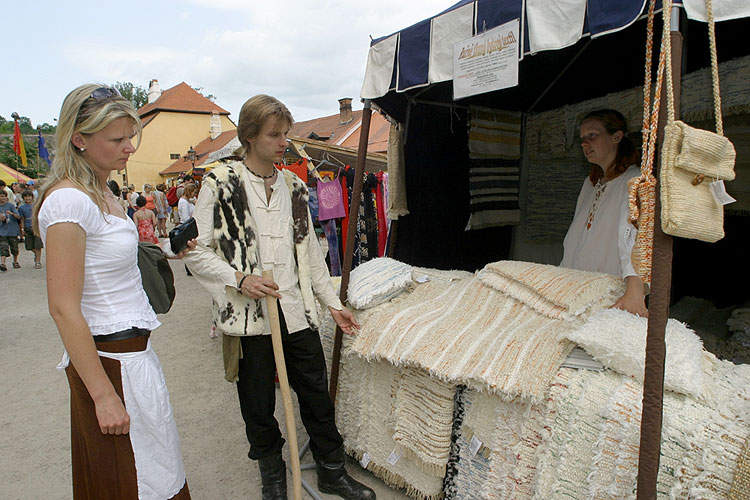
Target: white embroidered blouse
(601,238)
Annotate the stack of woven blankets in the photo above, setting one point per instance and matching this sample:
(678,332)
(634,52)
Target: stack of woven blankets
(454,389)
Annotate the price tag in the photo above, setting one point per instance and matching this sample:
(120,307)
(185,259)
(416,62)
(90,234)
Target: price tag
(720,193)
(474,446)
(394,456)
(421,278)
(365,460)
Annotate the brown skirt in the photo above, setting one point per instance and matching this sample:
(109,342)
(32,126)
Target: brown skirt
(103,464)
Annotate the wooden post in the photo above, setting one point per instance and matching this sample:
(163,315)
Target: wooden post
(359,174)
(658,311)
(286,395)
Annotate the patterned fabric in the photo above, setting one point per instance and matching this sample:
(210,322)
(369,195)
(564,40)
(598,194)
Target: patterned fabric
(146,231)
(494,168)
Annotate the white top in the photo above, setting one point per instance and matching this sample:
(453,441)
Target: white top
(184,209)
(113,297)
(274,224)
(601,238)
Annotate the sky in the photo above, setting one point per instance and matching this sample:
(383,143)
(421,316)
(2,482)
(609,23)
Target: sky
(308,54)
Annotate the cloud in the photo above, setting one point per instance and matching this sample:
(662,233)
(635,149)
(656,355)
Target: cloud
(308,55)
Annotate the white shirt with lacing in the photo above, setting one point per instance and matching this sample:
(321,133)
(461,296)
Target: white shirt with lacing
(274,225)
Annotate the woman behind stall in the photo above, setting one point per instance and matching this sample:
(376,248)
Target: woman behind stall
(601,237)
(120,410)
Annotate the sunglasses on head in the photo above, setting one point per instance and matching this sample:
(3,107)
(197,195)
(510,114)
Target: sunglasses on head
(103,93)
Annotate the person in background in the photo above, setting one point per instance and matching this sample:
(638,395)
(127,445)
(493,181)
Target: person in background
(162,209)
(9,231)
(17,193)
(132,196)
(8,191)
(601,237)
(34,187)
(251,217)
(120,415)
(145,219)
(185,207)
(32,241)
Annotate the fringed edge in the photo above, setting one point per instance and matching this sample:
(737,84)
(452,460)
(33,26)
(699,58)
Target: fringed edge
(393,479)
(433,469)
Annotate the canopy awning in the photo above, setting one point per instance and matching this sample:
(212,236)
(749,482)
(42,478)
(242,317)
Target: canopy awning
(422,54)
(10,175)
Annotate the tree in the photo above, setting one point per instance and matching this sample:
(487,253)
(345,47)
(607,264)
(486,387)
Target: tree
(133,93)
(210,97)
(24,123)
(36,166)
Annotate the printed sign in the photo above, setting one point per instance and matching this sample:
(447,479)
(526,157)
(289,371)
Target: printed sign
(486,62)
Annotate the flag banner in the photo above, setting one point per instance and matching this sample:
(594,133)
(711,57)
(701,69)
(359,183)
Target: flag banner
(18,146)
(42,147)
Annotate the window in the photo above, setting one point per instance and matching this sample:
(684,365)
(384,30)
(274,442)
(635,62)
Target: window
(174,156)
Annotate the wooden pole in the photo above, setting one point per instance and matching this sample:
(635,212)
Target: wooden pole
(359,174)
(286,395)
(658,312)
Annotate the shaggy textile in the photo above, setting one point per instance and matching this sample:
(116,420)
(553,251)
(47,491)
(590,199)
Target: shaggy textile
(494,168)
(377,281)
(467,333)
(553,291)
(741,484)
(618,339)
(364,416)
(423,415)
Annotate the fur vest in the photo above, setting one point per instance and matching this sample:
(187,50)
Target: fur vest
(236,243)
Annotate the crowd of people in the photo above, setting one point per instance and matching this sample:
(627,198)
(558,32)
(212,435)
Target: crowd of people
(149,209)
(16,206)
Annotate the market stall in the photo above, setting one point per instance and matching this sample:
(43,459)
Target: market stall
(410,77)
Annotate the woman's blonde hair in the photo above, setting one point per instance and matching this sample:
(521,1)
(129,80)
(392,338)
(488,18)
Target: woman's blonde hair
(253,115)
(83,113)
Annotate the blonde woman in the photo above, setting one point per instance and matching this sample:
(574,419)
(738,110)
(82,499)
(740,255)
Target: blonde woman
(120,410)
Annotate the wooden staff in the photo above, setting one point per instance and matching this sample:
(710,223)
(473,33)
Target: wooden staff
(286,395)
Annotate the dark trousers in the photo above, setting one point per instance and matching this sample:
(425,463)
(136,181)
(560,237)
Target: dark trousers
(306,369)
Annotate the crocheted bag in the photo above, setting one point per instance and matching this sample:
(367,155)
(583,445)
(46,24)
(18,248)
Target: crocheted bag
(691,159)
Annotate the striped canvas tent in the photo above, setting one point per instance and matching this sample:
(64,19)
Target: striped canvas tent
(10,175)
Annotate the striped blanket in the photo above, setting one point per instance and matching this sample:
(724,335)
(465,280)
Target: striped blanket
(468,333)
(494,168)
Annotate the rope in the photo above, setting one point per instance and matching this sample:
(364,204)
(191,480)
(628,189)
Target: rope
(714,68)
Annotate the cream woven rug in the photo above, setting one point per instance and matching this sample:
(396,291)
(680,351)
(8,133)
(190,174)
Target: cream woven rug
(365,418)
(510,342)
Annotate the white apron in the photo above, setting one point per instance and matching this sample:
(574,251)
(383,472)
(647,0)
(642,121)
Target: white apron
(153,432)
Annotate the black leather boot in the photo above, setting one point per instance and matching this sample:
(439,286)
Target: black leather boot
(333,479)
(273,477)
